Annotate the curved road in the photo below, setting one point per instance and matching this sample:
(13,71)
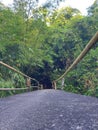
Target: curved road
(48,110)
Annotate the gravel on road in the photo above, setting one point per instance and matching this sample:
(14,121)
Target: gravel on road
(49,110)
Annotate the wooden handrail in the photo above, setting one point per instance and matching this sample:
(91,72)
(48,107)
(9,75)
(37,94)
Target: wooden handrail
(19,72)
(15,89)
(9,89)
(11,68)
(81,56)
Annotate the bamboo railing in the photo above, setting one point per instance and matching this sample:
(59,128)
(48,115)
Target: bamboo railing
(24,75)
(91,43)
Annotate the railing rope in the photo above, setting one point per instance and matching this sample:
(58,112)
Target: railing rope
(81,56)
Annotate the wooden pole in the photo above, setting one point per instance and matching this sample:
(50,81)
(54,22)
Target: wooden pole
(19,72)
(82,54)
(10,89)
(54,85)
(11,68)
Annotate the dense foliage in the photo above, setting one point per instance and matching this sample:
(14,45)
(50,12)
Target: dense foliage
(43,43)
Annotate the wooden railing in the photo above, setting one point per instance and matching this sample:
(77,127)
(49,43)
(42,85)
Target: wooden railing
(91,43)
(28,79)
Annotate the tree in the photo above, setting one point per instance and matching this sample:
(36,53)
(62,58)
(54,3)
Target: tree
(93,9)
(24,7)
(52,4)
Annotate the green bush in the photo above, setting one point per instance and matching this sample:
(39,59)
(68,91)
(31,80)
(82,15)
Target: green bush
(70,88)
(5,84)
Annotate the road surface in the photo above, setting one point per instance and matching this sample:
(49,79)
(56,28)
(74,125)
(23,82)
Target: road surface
(48,110)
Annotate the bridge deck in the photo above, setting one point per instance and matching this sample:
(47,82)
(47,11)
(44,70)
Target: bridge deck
(48,110)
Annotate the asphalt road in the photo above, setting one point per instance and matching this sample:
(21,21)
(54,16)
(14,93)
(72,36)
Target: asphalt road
(48,110)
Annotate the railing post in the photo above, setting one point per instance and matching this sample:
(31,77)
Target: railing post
(28,83)
(54,85)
